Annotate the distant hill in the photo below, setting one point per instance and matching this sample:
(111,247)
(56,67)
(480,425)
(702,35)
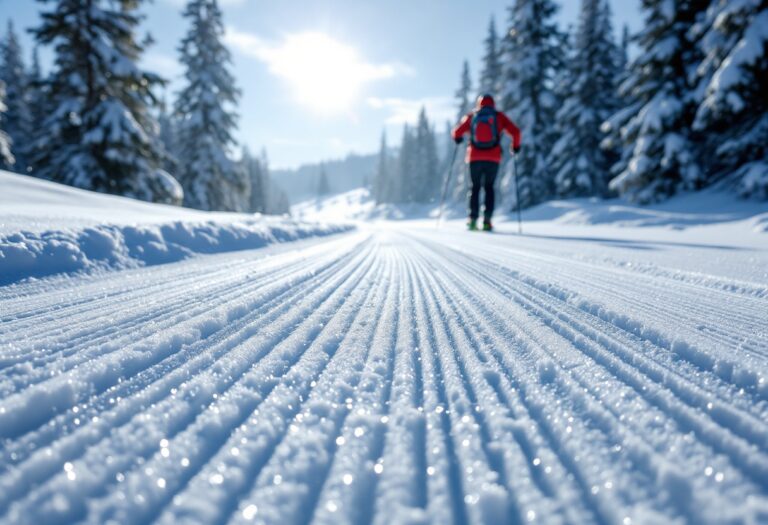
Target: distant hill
(344,175)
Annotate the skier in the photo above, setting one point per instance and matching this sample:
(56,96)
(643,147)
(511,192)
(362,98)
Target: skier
(484,125)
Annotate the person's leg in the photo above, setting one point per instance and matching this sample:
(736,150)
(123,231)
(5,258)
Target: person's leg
(474,193)
(491,169)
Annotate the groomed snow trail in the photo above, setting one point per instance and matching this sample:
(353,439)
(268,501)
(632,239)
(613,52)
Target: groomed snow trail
(386,377)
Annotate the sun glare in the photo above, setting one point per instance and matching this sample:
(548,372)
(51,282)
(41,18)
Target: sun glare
(325,74)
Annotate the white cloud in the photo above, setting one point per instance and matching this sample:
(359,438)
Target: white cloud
(327,75)
(402,110)
(244,42)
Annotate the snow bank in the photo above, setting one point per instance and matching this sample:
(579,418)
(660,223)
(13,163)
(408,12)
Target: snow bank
(682,212)
(352,205)
(32,254)
(47,229)
(709,207)
(31,204)
(359,205)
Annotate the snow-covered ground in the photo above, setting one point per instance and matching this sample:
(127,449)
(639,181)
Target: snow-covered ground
(47,228)
(610,366)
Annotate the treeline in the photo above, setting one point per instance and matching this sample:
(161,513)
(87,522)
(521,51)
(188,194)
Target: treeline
(688,111)
(95,121)
(413,173)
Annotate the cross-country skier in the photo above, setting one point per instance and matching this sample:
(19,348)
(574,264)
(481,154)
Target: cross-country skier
(484,125)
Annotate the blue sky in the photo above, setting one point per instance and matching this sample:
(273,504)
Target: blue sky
(322,78)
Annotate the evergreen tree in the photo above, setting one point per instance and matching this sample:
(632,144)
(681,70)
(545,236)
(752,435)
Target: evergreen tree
(660,150)
(490,76)
(463,107)
(622,70)
(581,166)
(276,200)
(427,176)
(626,39)
(612,138)
(257,174)
(99,132)
(382,190)
(464,93)
(405,187)
(732,113)
(457,190)
(323,186)
(279,204)
(206,115)
(533,52)
(265,187)
(40,107)
(167,137)
(17,120)
(6,158)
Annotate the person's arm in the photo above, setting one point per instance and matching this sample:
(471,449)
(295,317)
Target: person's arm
(509,127)
(462,128)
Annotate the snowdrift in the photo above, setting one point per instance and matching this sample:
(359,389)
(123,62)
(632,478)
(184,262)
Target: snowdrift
(688,210)
(47,229)
(683,212)
(359,205)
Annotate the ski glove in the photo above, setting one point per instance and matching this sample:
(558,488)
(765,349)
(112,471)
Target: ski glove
(458,140)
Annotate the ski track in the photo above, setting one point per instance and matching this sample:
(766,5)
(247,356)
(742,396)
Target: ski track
(385,377)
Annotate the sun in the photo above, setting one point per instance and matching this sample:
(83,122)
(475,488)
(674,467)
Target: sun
(326,75)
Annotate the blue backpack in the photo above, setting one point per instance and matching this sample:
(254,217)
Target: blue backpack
(485,130)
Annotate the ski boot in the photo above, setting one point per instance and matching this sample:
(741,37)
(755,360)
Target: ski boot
(487,226)
(472,225)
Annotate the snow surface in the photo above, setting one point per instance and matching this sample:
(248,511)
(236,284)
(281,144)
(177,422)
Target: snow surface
(608,367)
(47,228)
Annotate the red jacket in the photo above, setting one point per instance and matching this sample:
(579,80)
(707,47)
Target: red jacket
(503,124)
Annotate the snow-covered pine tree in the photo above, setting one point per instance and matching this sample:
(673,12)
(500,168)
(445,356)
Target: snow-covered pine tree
(323,186)
(455,192)
(565,92)
(655,128)
(257,175)
(622,74)
(490,76)
(17,120)
(626,39)
(167,136)
(532,53)
(581,166)
(612,138)
(426,161)
(268,189)
(733,90)
(464,93)
(463,97)
(205,110)
(6,158)
(36,85)
(405,187)
(276,199)
(99,133)
(278,204)
(382,180)
(40,106)
(446,151)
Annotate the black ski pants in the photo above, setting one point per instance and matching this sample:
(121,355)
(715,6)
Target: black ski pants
(483,174)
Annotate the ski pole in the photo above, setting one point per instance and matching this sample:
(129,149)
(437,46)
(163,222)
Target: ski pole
(447,183)
(517,194)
